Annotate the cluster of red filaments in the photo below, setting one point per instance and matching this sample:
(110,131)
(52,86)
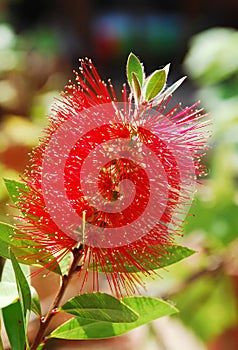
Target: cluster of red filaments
(120,264)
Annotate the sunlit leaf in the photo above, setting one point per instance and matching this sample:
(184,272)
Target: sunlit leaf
(99,307)
(155,84)
(134,65)
(147,308)
(169,91)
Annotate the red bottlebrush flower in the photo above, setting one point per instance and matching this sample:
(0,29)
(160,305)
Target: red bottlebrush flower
(115,176)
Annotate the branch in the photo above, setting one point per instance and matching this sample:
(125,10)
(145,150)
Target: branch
(44,321)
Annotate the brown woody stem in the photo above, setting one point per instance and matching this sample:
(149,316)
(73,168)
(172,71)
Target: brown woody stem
(44,321)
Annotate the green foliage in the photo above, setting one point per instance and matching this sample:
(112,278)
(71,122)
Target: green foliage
(35,303)
(15,188)
(213,306)
(169,255)
(23,249)
(213,55)
(24,293)
(14,325)
(99,307)
(153,88)
(136,87)
(134,66)
(155,84)
(147,308)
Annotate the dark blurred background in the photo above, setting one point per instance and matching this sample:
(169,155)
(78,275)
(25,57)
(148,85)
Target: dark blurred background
(107,31)
(40,44)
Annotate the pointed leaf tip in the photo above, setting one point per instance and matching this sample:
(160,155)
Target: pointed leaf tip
(134,65)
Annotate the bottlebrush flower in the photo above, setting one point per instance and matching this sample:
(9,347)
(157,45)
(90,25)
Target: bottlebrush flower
(116,176)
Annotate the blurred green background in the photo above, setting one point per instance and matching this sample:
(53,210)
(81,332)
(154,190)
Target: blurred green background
(40,43)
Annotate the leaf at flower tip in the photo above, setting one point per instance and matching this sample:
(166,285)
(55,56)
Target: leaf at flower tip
(15,188)
(24,292)
(24,250)
(166,69)
(149,309)
(166,256)
(134,65)
(155,84)
(169,91)
(14,325)
(136,87)
(99,307)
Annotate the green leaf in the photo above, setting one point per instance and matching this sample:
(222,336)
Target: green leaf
(136,87)
(134,65)
(214,303)
(166,256)
(99,307)
(155,84)
(175,253)
(24,249)
(8,287)
(35,303)
(148,309)
(15,188)
(168,91)
(14,325)
(23,291)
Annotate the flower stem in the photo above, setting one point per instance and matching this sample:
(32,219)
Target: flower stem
(44,321)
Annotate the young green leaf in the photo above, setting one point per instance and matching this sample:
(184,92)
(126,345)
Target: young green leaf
(134,65)
(14,325)
(136,88)
(147,308)
(99,307)
(24,250)
(155,84)
(168,91)
(23,291)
